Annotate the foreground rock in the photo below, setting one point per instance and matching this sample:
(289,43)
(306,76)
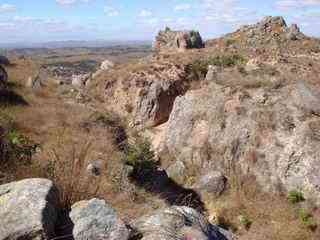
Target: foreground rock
(178,223)
(95,219)
(270,134)
(181,40)
(28,209)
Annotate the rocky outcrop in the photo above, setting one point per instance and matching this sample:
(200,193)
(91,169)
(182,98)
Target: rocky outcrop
(95,219)
(181,40)
(148,95)
(213,183)
(28,210)
(178,223)
(271,32)
(106,65)
(81,80)
(271,134)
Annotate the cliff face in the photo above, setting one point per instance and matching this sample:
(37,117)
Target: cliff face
(272,135)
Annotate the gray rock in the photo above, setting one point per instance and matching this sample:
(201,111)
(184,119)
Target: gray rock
(94,168)
(28,210)
(176,171)
(178,223)
(275,140)
(95,219)
(157,94)
(180,40)
(214,183)
(212,73)
(106,65)
(81,80)
(34,82)
(293,32)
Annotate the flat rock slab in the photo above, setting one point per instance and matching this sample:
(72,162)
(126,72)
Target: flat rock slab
(28,209)
(95,219)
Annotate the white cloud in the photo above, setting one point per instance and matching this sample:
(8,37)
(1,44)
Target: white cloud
(7,8)
(182,7)
(71,2)
(295,4)
(111,12)
(145,13)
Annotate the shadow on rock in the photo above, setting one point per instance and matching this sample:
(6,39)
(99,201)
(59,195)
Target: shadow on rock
(9,97)
(158,182)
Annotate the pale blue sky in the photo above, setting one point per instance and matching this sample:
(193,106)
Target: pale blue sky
(50,20)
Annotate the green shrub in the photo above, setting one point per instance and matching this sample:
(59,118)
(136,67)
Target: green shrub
(16,149)
(307,219)
(141,158)
(199,68)
(245,221)
(295,196)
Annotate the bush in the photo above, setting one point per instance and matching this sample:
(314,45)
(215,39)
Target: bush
(307,219)
(295,196)
(199,68)
(245,221)
(141,158)
(15,148)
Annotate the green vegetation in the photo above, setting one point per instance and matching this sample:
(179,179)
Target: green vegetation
(141,158)
(167,29)
(245,221)
(199,68)
(307,219)
(16,148)
(295,196)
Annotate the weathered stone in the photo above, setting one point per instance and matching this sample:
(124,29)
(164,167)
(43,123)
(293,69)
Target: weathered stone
(181,40)
(95,219)
(176,171)
(94,168)
(106,65)
(213,182)
(28,210)
(294,32)
(274,139)
(178,223)
(212,73)
(81,80)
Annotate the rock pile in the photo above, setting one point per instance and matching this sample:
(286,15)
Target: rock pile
(181,40)
(29,210)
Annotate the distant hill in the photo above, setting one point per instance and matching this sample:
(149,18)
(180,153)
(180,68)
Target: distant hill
(73,44)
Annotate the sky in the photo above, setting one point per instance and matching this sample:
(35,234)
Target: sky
(60,20)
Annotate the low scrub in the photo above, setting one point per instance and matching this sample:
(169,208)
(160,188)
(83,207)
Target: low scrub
(16,149)
(70,177)
(142,159)
(199,68)
(295,196)
(307,219)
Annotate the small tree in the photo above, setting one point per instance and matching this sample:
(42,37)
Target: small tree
(167,29)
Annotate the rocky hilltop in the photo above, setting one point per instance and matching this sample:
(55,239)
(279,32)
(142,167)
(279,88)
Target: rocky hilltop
(219,141)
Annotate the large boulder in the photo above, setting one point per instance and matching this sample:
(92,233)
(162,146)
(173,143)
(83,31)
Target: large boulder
(180,40)
(272,135)
(178,223)
(28,210)
(95,219)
